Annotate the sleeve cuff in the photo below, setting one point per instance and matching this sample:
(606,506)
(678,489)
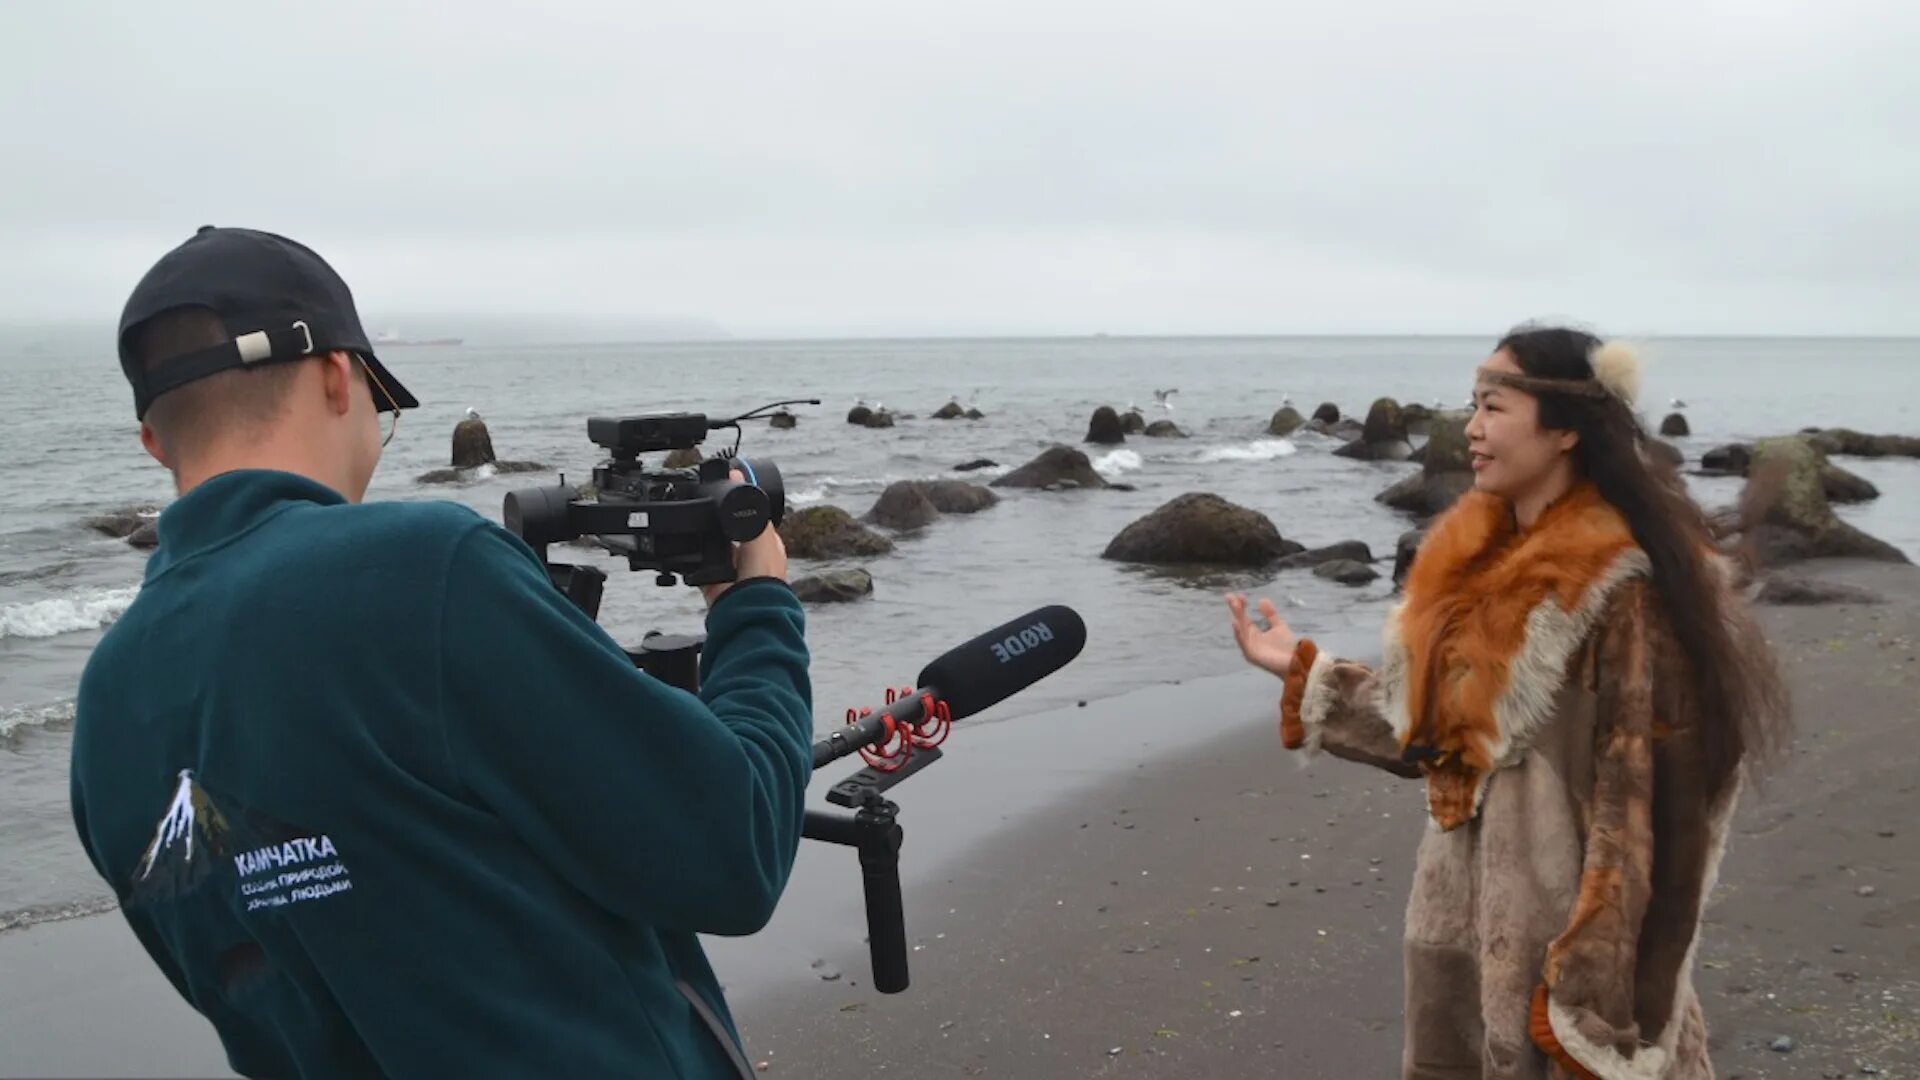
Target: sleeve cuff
(738,586)
(1293,731)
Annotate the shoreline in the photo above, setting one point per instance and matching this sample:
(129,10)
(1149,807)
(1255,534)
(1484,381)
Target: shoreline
(1146,895)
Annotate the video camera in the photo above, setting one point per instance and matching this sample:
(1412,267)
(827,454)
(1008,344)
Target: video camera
(682,522)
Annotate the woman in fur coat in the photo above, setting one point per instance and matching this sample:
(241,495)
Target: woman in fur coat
(1576,683)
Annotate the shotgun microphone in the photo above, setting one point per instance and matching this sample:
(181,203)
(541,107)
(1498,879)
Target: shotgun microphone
(972,677)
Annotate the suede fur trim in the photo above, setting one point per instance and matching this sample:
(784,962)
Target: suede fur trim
(1317,702)
(1604,1061)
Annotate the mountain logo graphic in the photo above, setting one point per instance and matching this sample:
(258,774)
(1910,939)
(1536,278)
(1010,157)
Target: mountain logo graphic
(187,844)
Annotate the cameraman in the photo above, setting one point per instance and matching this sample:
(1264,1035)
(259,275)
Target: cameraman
(373,794)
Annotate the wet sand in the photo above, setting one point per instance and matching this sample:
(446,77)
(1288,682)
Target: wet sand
(1153,888)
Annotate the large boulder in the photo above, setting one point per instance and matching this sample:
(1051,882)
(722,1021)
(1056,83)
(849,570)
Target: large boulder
(472,446)
(1662,452)
(146,536)
(976,414)
(1164,429)
(1845,487)
(1328,413)
(958,496)
(904,505)
(1417,416)
(859,414)
(1132,423)
(123,522)
(952,410)
(783,420)
(1285,422)
(1855,444)
(828,532)
(1383,437)
(1786,494)
(1346,572)
(878,418)
(833,586)
(1056,467)
(1105,427)
(1200,527)
(1444,473)
(1675,426)
(1351,550)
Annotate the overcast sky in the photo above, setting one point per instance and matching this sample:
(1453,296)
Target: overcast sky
(977,167)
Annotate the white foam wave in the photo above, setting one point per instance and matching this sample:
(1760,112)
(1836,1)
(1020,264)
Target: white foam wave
(807,496)
(26,716)
(1113,464)
(88,610)
(1257,450)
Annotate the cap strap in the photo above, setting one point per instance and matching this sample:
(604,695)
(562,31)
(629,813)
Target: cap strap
(247,350)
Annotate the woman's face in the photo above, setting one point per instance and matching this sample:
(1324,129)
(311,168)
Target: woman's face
(1510,452)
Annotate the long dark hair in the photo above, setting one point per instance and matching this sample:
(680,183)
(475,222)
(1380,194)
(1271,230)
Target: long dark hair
(1741,697)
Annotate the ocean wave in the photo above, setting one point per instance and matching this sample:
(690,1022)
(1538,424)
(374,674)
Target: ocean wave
(39,573)
(1114,463)
(1257,450)
(14,719)
(86,610)
(46,913)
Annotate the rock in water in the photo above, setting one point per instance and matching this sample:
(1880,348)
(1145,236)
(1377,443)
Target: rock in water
(958,496)
(976,463)
(1403,554)
(783,420)
(1200,527)
(1798,591)
(880,419)
(1731,459)
(146,536)
(950,411)
(1105,427)
(684,459)
(1353,550)
(1328,413)
(1057,466)
(1346,572)
(976,414)
(1854,444)
(1675,426)
(121,523)
(859,414)
(472,446)
(1164,429)
(1444,472)
(1845,487)
(1132,423)
(1417,416)
(1786,492)
(828,532)
(1285,422)
(903,505)
(833,586)
(1383,437)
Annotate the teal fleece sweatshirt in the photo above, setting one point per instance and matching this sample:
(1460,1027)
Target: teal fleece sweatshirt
(379,801)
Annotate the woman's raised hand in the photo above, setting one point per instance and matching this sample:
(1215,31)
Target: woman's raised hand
(1270,649)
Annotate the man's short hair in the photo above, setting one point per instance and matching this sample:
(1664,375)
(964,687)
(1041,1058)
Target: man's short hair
(239,401)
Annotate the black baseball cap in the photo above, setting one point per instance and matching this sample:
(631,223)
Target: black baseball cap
(277,299)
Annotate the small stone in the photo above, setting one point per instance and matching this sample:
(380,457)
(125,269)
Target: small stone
(1839,948)
(1783,1044)
(763,1066)
(1866,890)
(1885,834)
(1115,1052)
(826,971)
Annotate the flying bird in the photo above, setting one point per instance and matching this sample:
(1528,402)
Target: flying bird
(1161,398)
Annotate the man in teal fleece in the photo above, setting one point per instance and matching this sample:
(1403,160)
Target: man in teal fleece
(374,795)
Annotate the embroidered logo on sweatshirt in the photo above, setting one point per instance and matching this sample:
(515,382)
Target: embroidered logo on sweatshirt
(275,864)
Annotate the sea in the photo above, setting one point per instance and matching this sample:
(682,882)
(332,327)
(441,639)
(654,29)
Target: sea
(69,449)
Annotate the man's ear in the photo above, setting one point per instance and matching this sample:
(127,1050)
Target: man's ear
(151,442)
(1568,439)
(336,374)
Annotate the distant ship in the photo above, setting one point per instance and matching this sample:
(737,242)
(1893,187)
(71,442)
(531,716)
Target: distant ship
(392,337)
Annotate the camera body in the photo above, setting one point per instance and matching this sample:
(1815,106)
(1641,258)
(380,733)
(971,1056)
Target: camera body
(681,523)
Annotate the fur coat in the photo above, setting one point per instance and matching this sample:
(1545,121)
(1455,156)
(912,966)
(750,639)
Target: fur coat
(1532,680)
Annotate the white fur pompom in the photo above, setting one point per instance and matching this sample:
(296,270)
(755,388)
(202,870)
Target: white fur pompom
(1616,366)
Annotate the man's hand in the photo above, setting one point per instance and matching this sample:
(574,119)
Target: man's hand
(1270,649)
(763,556)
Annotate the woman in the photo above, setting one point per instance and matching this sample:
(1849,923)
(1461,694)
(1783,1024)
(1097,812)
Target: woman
(1575,681)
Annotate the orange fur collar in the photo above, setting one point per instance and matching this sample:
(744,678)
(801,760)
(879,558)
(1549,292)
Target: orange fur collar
(1476,653)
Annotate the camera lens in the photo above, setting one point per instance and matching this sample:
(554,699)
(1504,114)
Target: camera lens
(765,475)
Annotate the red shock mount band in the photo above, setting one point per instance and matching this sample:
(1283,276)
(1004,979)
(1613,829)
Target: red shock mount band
(902,739)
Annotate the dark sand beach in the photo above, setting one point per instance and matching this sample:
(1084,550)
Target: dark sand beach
(1161,892)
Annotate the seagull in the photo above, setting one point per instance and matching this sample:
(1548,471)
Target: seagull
(1286,399)
(473,413)
(1676,403)
(1160,398)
